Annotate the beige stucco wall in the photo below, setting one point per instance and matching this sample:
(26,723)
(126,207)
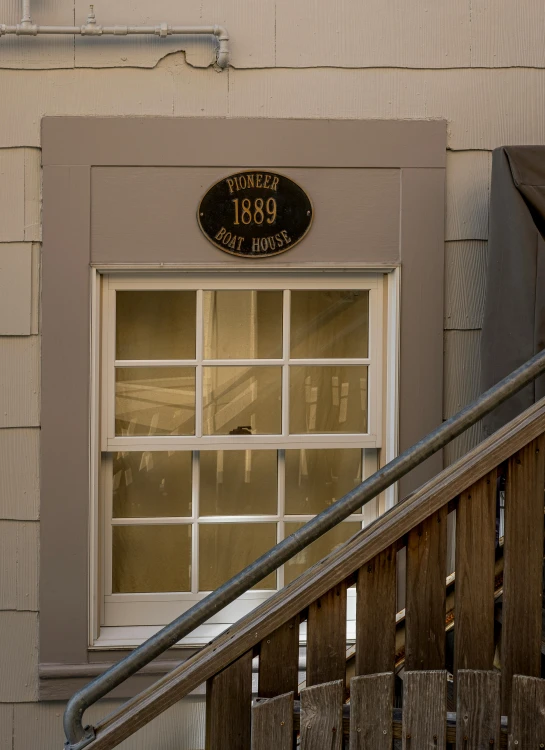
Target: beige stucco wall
(480,64)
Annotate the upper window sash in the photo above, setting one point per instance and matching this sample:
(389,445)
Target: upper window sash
(243,281)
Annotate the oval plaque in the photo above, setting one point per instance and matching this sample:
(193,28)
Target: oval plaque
(255,214)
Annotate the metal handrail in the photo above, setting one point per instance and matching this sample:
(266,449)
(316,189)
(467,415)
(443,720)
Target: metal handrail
(78,736)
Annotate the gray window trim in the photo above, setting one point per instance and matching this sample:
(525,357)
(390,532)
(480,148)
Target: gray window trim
(72,148)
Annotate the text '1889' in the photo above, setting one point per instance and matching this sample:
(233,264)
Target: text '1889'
(255,214)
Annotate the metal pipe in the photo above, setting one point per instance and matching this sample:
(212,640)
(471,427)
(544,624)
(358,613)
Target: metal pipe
(92,29)
(78,737)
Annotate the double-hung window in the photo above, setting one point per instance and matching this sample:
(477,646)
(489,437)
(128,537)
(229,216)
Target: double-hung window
(233,408)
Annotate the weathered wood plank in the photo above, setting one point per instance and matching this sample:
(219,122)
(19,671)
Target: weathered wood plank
(322,716)
(272,724)
(326,637)
(522,568)
(371,701)
(337,567)
(425,710)
(375,614)
(228,707)
(425,607)
(468,189)
(279,661)
(475,561)
(527,726)
(19,487)
(19,381)
(15,289)
(465,284)
(478,712)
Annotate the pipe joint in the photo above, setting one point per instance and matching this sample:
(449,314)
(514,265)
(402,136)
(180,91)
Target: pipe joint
(121,30)
(3,29)
(91,29)
(163,30)
(222,57)
(26,28)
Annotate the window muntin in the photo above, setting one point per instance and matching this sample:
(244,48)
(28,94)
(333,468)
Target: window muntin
(233,447)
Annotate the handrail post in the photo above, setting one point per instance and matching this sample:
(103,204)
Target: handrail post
(78,736)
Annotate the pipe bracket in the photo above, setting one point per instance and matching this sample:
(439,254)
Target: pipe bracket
(88,737)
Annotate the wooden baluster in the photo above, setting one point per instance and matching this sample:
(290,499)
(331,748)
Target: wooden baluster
(478,712)
(425,608)
(279,661)
(376,614)
(474,592)
(425,710)
(371,703)
(272,724)
(527,721)
(326,637)
(228,707)
(322,716)
(523,562)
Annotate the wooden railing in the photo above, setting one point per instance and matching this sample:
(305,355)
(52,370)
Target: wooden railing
(368,561)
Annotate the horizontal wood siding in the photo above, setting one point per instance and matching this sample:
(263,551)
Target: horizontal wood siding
(19,487)
(15,289)
(179,728)
(465,284)
(12,193)
(19,381)
(19,550)
(468,188)
(19,656)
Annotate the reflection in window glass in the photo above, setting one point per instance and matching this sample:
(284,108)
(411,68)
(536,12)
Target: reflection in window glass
(242,324)
(147,559)
(152,484)
(328,399)
(318,549)
(238,483)
(242,400)
(155,325)
(155,401)
(329,324)
(316,478)
(225,549)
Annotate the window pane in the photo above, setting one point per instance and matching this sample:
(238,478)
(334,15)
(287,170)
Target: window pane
(242,400)
(225,549)
(155,401)
(238,483)
(330,323)
(151,558)
(318,549)
(317,478)
(242,325)
(155,325)
(152,484)
(328,399)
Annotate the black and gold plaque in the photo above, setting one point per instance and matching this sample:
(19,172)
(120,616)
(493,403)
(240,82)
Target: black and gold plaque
(255,214)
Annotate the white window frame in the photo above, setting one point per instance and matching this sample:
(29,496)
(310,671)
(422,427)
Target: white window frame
(124,609)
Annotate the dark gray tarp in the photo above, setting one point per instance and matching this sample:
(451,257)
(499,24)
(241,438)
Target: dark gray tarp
(514,318)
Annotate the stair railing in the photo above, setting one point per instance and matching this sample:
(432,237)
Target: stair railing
(78,736)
